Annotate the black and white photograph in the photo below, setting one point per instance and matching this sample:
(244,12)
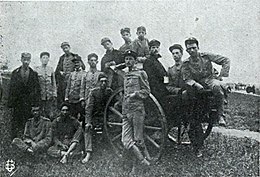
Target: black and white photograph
(128,88)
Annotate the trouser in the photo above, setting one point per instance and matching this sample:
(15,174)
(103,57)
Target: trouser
(218,89)
(55,151)
(24,146)
(49,108)
(132,129)
(76,109)
(88,140)
(20,115)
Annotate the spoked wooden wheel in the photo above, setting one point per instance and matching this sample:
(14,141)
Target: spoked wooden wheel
(154,125)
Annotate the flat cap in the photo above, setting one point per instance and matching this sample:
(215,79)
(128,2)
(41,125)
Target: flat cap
(64,44)
(141,28)
(154,42)
(26,55)
(126,29)
(176,46)
(105,39)
(130,53)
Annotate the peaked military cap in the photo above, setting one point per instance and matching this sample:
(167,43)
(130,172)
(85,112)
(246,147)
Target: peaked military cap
(64,44)
(176,46)
(126,29)
(130,53)
(26,55)
(154,42)
(191,40)
(105,39)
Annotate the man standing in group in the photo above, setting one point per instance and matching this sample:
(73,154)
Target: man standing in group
(198,74)
(64,68)
(90,79)
(37,134)
(156,71)
(48,86)
(112,58)
(176,83)
(136,89)
(24,92)
(72,93)
(125,33)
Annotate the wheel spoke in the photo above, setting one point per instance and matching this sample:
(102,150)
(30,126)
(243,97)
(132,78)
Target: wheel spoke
(115,123)
(116,112)
(152,141)
(152,128)
(116,137)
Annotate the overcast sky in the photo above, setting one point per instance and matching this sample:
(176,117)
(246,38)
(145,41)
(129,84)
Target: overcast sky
(227,27)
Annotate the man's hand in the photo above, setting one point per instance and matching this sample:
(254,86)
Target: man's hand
(132,95)
(28,141)
(64,146)
(61,73)
(141,59)
(197,86)
(83,104)
(88,126)
(33,144)
(66,99)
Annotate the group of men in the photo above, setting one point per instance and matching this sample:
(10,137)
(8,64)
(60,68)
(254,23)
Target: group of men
(81,96)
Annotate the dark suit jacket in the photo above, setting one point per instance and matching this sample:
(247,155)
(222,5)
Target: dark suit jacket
(156,72)
(21,93)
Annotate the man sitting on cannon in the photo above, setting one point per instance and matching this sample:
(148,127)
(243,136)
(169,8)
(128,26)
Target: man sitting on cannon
(198,75)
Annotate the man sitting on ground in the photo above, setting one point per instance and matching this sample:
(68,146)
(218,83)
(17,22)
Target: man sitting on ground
(37,134)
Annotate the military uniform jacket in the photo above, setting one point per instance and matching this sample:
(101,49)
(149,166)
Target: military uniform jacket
(74,86)
(40,131)
(64,129)
(47,82)
(96,103)
(135,81)
(24,93)
(125,47)
(202,69)
(88,82)
(156,73)
(141,47)
(175,78)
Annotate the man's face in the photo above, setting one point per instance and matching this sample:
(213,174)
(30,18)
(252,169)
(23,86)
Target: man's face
(154,50)
(93,62)
(126,36)
(141,34)
(65,111)
(192,49)
(25,62)
(177,55)
(36,112)
(108,45)
(77,65)
(130,61)
(103,83)
(66,49)
(45,59)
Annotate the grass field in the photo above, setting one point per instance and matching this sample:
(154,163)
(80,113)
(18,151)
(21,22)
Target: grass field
(223,156)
